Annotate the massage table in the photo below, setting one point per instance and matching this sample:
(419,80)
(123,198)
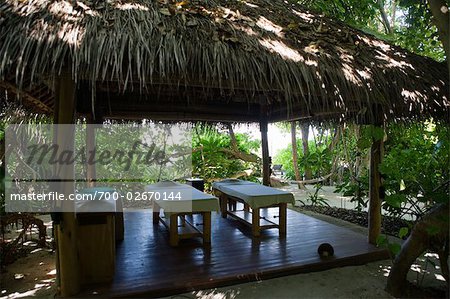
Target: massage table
(190,202)
(256,197)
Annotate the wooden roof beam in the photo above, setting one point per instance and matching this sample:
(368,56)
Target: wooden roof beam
(26,96)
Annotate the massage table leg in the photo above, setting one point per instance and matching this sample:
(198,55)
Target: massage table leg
(173,230)
(283,218)
(255,222)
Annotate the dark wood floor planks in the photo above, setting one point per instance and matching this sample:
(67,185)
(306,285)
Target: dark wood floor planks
(147,266)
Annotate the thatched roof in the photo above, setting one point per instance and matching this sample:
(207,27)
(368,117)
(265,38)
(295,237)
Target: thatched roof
(213,53)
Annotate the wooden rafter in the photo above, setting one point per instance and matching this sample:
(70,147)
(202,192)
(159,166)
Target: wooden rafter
(26,96)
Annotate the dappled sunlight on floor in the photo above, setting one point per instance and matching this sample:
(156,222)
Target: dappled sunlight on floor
(424,272)
(366,281)
(347,282)
(33,275)
(385,270)
(215,294)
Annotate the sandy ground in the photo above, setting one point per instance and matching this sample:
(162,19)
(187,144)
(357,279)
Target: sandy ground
(367,281)
(326,192)
(350,282)
(38,270)
(32,275)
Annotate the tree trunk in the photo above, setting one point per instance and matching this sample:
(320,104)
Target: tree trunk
(305,134)
(235,152)
(393,13)
(295,153)
(376,154)
(384,17)
(419,241)
(439,9)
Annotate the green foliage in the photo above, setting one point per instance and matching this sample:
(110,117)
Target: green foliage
(413,28)
(357,189)
(416,167)
(12,114)
(358,13)
(418,34)
(284,157)
(403,232)
(369,133)
(211,162)
(319,159)
(317,200)
(393,247)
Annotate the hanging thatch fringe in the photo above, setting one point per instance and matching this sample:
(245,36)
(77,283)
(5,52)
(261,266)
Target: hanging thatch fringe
(260,46)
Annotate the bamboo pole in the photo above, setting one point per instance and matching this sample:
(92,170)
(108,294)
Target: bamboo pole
(67,263)
(376,152)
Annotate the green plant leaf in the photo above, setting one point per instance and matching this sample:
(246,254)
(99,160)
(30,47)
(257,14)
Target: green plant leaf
(394,248)
(403,232)
(382,240)
(395,200)
(377,133)
(363,143)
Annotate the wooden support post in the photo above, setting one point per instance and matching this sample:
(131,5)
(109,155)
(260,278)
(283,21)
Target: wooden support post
(206,227)
(255,222)
(265,152)
(282,219)
(68,266)
(376,153)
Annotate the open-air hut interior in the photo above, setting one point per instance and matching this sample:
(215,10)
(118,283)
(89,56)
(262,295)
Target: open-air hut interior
(221,61)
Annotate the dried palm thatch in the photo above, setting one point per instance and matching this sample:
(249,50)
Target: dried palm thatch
(278,54)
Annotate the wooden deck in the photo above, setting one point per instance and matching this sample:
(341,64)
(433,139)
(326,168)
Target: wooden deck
(147,266)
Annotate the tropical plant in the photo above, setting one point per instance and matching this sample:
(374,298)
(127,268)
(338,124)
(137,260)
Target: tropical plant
(416,168)
(319,159)
(315,199)
(357,190)
(213,160)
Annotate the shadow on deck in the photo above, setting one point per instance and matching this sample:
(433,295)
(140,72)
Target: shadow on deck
(147,266)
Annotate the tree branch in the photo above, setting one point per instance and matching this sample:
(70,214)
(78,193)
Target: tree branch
(384,17)
(439,9)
